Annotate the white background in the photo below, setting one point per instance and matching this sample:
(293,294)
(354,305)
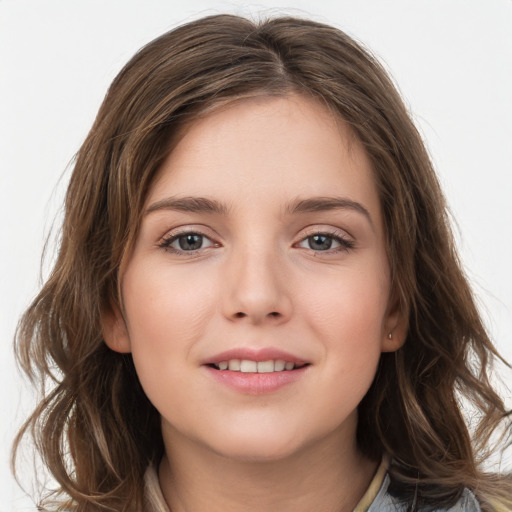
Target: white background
(451,58)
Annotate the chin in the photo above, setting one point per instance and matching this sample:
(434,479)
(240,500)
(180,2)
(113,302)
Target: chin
(261,446)
(259,453)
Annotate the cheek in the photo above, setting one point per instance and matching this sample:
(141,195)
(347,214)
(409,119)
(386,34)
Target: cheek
(166,303)
(346,320)
(167,316)
(168,312)
(347,317)
(350,306)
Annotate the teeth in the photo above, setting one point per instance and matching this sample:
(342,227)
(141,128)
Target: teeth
(248,366)
(279,365)
(266,367)
(234,365)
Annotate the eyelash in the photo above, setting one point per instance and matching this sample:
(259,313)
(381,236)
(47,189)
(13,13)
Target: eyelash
(168,240)
(339,237)
(345,244)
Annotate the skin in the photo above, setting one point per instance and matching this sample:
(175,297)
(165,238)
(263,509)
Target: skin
(258,280)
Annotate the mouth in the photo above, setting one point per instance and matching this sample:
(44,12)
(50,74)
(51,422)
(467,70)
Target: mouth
(250,366)
(256,371)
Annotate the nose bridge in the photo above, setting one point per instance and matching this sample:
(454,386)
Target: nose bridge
(256,289)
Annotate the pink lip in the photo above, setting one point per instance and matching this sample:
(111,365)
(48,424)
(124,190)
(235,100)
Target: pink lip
(258,355)
(255,383)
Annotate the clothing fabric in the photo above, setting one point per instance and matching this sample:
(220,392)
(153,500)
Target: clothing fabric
(375,499)
(384,502)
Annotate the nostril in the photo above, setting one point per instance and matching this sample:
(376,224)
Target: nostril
(241,314)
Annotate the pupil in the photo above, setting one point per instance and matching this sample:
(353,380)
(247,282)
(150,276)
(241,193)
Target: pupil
(190,242)
(320,242)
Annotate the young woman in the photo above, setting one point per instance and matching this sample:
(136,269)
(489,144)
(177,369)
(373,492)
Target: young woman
(257,304)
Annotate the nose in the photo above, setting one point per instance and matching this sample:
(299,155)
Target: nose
(256,289)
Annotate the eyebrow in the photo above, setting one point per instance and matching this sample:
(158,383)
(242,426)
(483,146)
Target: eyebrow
(322,204)
(212,206)
(190,205)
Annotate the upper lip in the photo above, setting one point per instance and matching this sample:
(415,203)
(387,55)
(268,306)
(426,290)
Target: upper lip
(258,355)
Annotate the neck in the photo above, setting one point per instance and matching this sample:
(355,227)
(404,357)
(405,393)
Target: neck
(319,477)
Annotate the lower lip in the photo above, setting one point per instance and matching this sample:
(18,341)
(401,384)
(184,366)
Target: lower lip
(256,383)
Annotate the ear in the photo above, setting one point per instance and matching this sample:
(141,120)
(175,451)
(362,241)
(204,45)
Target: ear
(395,326)
(113,327)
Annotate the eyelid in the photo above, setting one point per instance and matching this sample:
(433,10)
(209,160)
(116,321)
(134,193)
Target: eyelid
(322,229)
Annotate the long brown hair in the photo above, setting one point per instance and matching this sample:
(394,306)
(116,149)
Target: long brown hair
(94,427)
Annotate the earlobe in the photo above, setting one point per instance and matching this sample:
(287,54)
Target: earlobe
(395,328)
(393,341)
(114,330)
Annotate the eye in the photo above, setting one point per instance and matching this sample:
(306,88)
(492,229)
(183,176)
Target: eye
(318,242)
(186,242)
(323,242)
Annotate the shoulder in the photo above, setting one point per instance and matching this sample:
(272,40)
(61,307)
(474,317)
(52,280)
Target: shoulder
(384,502)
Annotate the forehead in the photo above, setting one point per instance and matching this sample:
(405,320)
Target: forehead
(286,146)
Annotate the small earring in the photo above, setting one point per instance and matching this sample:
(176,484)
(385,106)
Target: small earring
(390,336)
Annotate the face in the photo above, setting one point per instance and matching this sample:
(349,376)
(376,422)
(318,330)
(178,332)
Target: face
(256,302)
